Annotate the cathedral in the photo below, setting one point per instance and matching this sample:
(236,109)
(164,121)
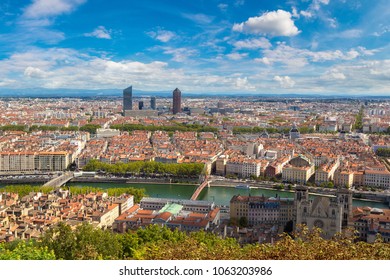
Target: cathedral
(330,214)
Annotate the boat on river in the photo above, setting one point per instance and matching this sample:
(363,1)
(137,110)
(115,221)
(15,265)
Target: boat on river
(246,187)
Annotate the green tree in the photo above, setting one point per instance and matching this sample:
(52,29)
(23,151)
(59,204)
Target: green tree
(61,240)
(383,152)
(91,128)
(25,251)
(243,222)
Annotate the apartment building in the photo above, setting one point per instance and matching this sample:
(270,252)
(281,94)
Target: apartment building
(13,162)
(52,161)
(296,174)
(260,210)
(298,170)
(29,162)
(325,172)
(343,178)
(243,167)
(369,222)
(376,178)
(275,168)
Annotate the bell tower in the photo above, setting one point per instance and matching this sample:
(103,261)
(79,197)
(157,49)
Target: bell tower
(344,198)
(301,205)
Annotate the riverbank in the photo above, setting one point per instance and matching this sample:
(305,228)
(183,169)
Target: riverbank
(134,180)
(229,183)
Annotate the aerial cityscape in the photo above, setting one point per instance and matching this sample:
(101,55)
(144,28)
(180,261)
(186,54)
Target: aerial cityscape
(233,123)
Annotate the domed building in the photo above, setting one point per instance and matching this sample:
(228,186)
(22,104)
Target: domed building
(294,133)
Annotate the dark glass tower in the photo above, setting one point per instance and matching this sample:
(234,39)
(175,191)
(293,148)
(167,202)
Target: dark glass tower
(140,105)
(153,103)
(128,99)
(176,101)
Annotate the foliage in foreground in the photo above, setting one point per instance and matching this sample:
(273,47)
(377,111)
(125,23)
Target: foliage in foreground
(25,250)
(154,242)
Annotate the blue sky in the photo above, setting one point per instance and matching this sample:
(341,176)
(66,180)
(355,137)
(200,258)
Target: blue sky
(200,46)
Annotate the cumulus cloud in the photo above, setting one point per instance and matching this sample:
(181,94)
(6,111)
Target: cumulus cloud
(68,68)
(263,60)
(276,23)
(243,84)
(100,32)
(284,81)
(33,72)
(50,8)
(295,57)
(333,74)
(236,56)
(261,43)
(162,35)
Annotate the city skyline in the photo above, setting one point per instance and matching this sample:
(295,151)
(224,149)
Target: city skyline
(302,47)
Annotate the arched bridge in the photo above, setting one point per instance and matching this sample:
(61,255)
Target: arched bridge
(200,188)
(59,181)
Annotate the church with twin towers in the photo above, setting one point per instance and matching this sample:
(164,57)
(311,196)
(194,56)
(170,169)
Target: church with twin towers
(128,106)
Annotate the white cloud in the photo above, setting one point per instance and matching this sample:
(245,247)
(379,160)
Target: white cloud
(264,60)
(50,8)
(261,43)
(236,56)
(316,4)
(243,84)
(67,68)
(315,11)
(296,58)
(239,3)
(306,14)
(179,54)
(295,13)
(6,82)
(100,32)
(33,72)
(351,33)
(284,81)
(333,74)
(162,35)
(223,7)
(199,18)
(276,23)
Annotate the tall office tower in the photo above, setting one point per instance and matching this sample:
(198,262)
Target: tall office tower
(140,105)
(176,101)
(153,103)
(127,99)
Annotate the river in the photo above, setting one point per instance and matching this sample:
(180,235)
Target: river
(220,195)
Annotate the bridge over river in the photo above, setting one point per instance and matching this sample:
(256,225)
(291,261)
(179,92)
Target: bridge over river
(200,189)
(60,180)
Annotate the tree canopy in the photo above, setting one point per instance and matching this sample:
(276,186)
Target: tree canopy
(160,243)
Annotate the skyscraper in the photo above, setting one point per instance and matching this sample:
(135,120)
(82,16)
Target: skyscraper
(127,99)
(153,103)
(176,101)
(140,105)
